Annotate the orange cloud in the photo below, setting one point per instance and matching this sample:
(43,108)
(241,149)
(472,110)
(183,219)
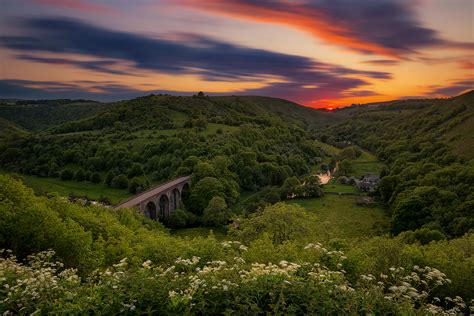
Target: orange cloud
(315,22)
(388,28)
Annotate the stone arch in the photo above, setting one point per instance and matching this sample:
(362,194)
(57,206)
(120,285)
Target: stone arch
(150,210)
(175,199)
(164,204)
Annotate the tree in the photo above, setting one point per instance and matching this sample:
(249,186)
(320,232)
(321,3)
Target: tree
(350,152)
(344,168)
(108,178)
(200,124)
(203,192)
(80,175)
(290,188)
(216,213)
(135,170)
(95,178)
(120,182)
(67,174)
(312,187)
(135,186)
(202,170)
(281,222)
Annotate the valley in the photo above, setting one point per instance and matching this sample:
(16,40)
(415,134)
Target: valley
(268,175)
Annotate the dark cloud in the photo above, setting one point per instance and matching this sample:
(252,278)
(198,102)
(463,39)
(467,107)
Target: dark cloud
(27,89)
(382,62)
(456,88)
(388,27)
(95,65)
(208,58)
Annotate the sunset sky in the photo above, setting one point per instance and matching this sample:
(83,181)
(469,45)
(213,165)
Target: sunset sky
(318,53)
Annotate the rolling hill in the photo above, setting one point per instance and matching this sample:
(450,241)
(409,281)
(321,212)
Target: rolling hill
(160,111)
(37,115)
(449,120)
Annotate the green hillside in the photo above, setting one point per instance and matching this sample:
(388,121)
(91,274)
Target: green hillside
(41,114)
(9,131)
(171,112)
(428,181)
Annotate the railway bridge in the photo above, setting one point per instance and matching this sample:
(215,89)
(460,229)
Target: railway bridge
(158,202)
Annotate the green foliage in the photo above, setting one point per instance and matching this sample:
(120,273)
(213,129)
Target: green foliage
(262,143)
(351,152)
(166,275)
(95,178)
(203,191)
(281,222)
(216,213)
(345,167)
(425,184)
(423,236)
(180,218)
(67,174)
(193,285)
(119,182)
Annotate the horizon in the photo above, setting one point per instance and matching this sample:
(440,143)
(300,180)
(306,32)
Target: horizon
(375,52)
(329,108)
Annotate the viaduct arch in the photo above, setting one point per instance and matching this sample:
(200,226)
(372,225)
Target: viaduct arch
(158,202)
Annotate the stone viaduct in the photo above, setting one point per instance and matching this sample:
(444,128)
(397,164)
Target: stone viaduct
(158,202)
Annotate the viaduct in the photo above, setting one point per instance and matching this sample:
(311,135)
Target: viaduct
(159,201)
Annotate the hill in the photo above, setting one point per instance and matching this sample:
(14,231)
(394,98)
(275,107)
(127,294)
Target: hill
(37,115)
(245,143)
(450,120)
(43,114)
(170,112)
(9,131)
(429,157)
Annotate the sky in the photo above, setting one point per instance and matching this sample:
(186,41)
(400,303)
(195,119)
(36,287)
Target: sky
(319,53)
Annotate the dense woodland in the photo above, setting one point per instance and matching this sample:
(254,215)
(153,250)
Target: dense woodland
(250,159)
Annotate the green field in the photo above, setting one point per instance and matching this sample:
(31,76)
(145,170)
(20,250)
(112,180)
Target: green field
(366,163)
(340,217)
(328,148)
(67,188)
(339,188)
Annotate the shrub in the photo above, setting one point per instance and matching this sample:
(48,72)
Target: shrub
(95,178)
(179,218)
(120,182)
(66,174)
(216,213)
(281,222)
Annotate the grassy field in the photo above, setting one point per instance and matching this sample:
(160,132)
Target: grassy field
(328,148)
(342,188)
(366,163)
(340,217)
(218,232)
(66,188)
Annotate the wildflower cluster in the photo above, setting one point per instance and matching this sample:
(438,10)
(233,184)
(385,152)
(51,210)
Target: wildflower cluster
(25,286)
(189,285)
(235,245)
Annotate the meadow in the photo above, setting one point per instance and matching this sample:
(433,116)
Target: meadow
(339,217)
(92,191)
